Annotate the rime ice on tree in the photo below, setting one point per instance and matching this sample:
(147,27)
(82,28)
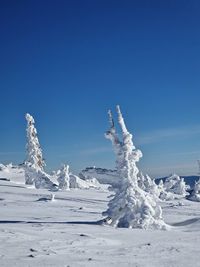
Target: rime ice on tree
(64,178)
(176,185)
(146,183)
(195,195)
(34,159)
(180,188)
(131,207)
(34,164)
(34,151)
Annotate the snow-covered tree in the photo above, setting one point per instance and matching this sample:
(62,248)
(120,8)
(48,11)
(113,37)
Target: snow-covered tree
(161,185)
(180,188)
(171,182)
(195,195)
(176,185)
(64,178)
(131,206)
(34,151)
(146,183)
(34,160)
(34,163)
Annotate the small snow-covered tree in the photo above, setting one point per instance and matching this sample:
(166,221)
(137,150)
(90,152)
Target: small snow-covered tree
(180,188)
(146,183)
(195,195)
(171,182)
(161,185)
(131,206)
(176,185)
(64,178)
(197,187)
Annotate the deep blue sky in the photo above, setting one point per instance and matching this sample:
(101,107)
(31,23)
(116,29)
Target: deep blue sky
(67,62)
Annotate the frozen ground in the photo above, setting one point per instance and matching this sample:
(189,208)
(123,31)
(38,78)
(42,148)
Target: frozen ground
(37,232)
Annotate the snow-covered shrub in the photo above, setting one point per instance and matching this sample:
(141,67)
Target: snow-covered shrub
(163,195)
(146,183)
(63,178)
(131,206)
(180,188)
(67,180)
(170,182)
(176,185)
(2,167)
(195,194)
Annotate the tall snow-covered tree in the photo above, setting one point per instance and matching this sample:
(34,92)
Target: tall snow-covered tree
(131,206)
(64,178)
(34,151)
(34,159)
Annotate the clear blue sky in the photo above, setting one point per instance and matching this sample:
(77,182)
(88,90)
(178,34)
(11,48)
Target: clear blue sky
(67,62)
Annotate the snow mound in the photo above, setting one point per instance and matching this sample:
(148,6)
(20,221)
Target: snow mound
(78,183)
(12,173)
(47,198)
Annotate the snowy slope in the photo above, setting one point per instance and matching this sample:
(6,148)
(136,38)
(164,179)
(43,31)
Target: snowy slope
(66,232)
(12,173)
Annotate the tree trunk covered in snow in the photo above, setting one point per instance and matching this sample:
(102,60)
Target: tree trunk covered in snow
(131,207)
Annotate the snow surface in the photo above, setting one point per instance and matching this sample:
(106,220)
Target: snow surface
(36,230)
